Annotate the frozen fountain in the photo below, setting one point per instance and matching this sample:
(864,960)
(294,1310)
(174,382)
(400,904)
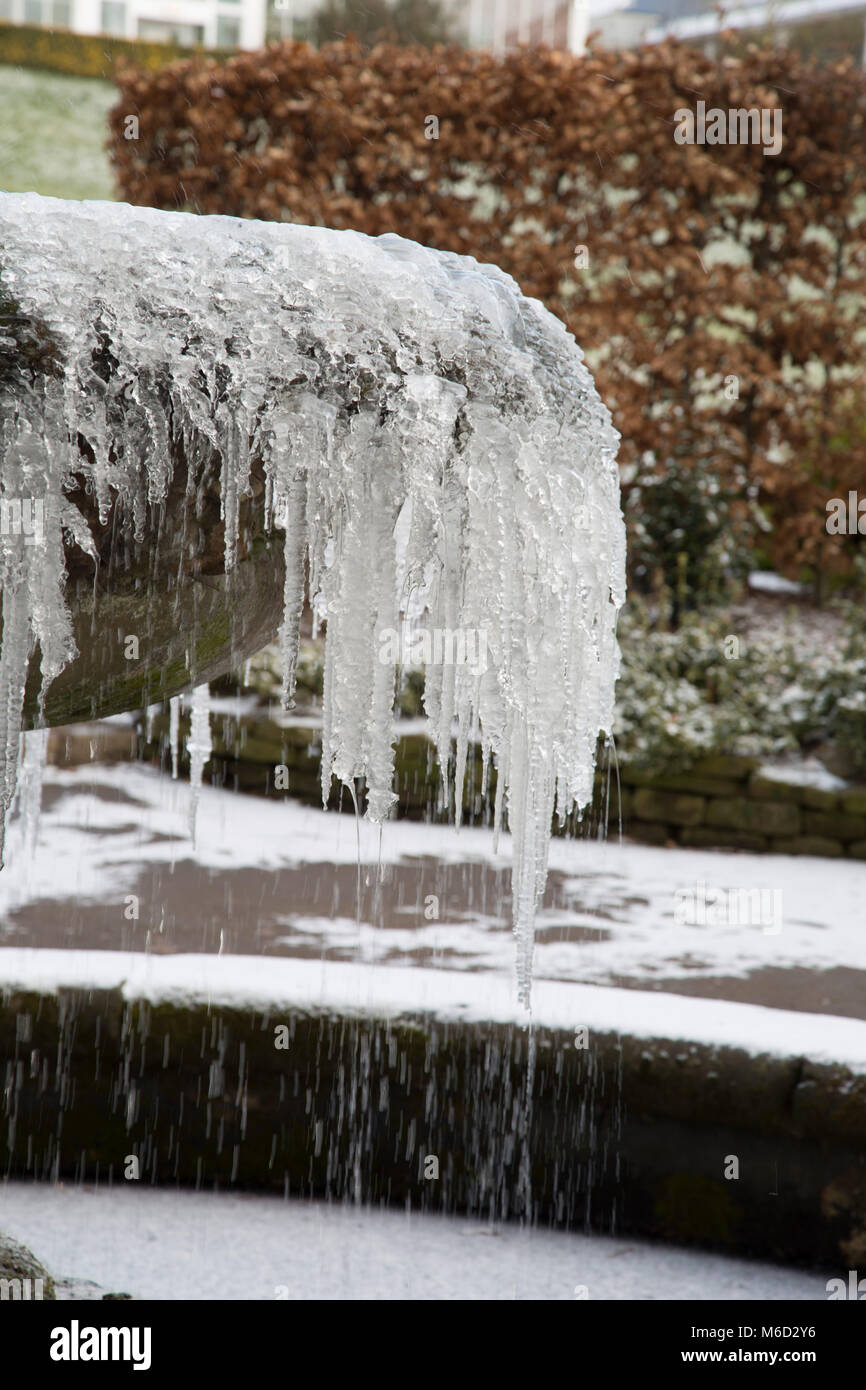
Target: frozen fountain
(202,419)
(205,425)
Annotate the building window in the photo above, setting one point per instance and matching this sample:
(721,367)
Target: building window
(282,23)
(228,32)
(32,11)
(113,17)
(163,31)
(61,13)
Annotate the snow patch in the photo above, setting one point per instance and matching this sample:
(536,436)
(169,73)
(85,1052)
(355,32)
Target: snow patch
(766,582)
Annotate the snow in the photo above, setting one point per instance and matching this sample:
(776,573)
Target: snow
(237,706)
(433,446)
(609,915)
(765,582)
(163,1244)
(808,772)
(392,993)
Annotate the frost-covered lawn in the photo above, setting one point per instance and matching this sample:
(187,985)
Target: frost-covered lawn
(52,134)
(196,1245)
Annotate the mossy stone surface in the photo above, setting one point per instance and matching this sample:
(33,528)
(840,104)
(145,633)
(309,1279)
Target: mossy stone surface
(629,1128)
(672,808)
(760,817)
(18,1264)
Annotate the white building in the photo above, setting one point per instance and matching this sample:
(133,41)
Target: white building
(212,23)
(496,24)
(782,17)
(504,24)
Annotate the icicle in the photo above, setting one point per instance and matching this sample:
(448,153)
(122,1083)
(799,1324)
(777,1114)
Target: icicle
(149,720)
(174,733)
(199,746)
(30,789)
(433,448)
(14,656)
(293,590)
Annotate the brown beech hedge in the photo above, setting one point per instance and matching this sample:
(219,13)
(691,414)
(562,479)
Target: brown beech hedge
(718,290)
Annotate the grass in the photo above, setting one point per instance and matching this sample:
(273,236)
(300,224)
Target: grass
(52,134)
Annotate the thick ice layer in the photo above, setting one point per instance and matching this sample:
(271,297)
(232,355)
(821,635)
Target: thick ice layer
(434,448)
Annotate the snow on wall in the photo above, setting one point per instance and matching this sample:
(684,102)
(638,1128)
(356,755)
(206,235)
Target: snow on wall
(408,992)
(433,444)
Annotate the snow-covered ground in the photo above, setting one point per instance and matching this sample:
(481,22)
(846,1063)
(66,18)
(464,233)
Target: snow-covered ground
(165,1244)
(275,878)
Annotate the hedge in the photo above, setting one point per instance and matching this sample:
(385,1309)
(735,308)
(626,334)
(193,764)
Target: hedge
(81,55)
(565,172)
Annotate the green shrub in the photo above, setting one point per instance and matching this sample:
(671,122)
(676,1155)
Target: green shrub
(835,686)
(689,531)
(408,21)
(680,697)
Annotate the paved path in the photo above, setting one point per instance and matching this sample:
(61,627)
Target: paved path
(282,879)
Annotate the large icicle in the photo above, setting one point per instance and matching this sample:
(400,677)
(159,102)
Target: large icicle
(33,455)
(174,733)
(32,760)
(199,746)
(434,449)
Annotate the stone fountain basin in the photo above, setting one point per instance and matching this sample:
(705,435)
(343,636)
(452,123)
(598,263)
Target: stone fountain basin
(173,1061)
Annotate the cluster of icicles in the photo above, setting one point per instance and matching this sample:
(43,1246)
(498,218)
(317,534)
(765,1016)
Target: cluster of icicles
(434,448)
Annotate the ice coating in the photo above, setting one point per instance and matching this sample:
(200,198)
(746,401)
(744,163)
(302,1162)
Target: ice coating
(433,444)
(174,733)
(34,747)
(199,746)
